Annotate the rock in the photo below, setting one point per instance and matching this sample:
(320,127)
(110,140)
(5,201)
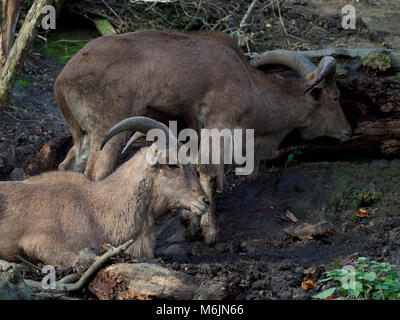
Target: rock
(17,174)
(176,251)
(286,295)
(206,268)
(147,281)
(298,294)
(307,231)
(13,287)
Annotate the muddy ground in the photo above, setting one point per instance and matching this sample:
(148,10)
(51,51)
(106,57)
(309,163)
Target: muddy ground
(255,255)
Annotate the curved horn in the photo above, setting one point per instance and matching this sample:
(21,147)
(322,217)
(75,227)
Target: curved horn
(141,124)
(326,70)
(136,136)
(290,59)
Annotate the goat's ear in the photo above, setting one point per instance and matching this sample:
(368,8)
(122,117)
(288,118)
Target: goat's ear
(316,93)
(153,154)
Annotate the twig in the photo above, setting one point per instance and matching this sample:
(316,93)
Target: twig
(195,16)
(381,291)
(111,9)
(29,263)
(280,17)
(281,20)
(64,286)
(248,14)
(66,40)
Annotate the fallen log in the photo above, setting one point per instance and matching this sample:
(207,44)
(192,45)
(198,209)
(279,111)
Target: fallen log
(147,281)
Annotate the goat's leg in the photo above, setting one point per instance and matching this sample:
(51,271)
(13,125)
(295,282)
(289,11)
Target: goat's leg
(208,221)
(191,222)
(49,249)
(101,163)
(66,164)
(77,156)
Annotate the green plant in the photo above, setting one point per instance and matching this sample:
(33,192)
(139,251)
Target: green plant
(23,83)
(60,49)
(364,280)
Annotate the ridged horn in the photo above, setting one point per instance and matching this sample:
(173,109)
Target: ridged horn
(290,59)
(304,67)
(141,124)
(326,70)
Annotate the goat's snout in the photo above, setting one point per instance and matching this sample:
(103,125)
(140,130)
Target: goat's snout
(347,133)
(201,206)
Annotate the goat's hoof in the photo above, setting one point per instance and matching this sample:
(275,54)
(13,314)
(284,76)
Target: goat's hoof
(191,224)
(210,237)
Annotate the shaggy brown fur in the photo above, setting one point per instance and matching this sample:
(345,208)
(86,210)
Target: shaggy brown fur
(52,216)
(201,79)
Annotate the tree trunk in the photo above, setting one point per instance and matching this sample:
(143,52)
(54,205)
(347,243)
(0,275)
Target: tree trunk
(10,11)
(19,50)
(369,82)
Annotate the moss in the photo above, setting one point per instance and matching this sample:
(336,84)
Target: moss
(63,50)
(396,77)
(23,83)
(378,60)
(364,186)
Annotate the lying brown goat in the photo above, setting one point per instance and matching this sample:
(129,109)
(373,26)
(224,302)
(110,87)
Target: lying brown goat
(202,80)
(52,216)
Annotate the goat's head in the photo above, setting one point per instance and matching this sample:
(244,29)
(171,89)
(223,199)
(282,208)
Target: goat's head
(325,116)
(176,185)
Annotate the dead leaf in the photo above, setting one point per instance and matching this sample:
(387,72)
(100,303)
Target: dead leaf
(309,284)
(330,297)
(287,216)
(290,216)
(362,213)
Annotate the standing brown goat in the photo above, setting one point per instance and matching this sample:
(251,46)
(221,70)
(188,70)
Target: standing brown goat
(202,81)
(52,216)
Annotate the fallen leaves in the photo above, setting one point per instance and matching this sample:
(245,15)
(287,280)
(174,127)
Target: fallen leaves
(362,213)
(309,284)
(287,216)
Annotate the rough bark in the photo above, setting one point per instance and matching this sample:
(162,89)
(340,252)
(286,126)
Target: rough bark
(19,51)
(369,82)
(10,12)
(147,281)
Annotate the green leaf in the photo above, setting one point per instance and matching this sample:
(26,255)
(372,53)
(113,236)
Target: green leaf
(369,276)
(290,157)
(324,294)
(325,280)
